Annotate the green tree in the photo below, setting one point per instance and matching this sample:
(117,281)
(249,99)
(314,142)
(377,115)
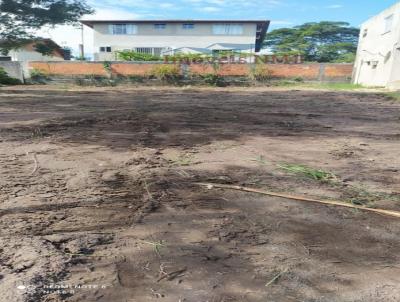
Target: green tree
(322,42)
(19,19)
(130,55)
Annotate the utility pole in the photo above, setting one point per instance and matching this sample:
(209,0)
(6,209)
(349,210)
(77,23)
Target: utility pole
(81,46)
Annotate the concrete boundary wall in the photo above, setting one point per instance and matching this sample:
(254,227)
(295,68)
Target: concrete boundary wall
(14,69)
(312,72)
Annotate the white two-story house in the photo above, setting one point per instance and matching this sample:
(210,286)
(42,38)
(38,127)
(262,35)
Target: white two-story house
(378,55)
(166,37)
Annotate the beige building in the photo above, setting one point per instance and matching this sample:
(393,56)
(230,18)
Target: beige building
(165,37)
(378,55)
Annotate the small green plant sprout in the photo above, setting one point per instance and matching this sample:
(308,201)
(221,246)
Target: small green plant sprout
(183,160)
(308,172)
(260,159)
(37,133)
(157,246)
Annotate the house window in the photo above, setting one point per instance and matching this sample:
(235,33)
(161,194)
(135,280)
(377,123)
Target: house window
(188,26)
(105,49)
(144,50)
(160,26)
(155,51)
(388,24)
(228,29)
(123,29)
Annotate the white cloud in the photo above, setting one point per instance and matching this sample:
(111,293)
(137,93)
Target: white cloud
(111,14)
(209,9)
(335,6)
(281,22)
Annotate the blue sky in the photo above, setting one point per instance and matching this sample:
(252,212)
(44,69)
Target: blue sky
(282,13)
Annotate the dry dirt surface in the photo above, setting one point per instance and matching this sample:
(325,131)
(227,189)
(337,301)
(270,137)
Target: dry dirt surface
(98,200)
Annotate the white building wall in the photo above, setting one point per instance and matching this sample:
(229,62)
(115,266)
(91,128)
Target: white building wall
(378,55)
(173,36)
(22,55)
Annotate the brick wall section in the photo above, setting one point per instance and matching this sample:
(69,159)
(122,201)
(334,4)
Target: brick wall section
(129,69)
(69,68)
(338,70)
(223,69)
(306,71)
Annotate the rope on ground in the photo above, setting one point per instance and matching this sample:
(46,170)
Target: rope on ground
(300,198)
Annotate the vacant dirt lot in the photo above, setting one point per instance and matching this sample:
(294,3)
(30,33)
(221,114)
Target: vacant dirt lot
(98,200)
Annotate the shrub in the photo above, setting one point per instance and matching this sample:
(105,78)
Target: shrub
(136,78)
(128,55)
(98,81)
(166,73)
(261,73)
(214,80)
(298,79)
(5,79)
(38,75)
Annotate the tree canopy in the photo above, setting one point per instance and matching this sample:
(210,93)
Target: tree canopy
(19,19)
(321,42)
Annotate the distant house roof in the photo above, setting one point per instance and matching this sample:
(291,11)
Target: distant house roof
(194,49)
(262,25)
(91,22)
(229,46)
(30,45)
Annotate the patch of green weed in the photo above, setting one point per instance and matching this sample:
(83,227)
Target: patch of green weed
(308,172)
(395,95)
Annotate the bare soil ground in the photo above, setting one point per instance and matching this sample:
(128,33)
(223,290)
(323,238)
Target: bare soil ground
(98,201)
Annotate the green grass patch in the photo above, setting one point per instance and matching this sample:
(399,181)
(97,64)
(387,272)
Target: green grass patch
(183,160)
(337,86)
(362,196)
(334,86)
(308,172)
(395,95)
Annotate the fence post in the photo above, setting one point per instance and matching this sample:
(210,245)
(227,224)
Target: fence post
(321,74)
(185,70)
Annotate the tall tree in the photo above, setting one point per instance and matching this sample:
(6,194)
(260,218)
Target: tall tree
(322,42)
(19,19)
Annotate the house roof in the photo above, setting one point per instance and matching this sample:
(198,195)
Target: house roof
(198,49)
(90,23)
(57,50)
(30,45)
(262,25)
(229,46)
